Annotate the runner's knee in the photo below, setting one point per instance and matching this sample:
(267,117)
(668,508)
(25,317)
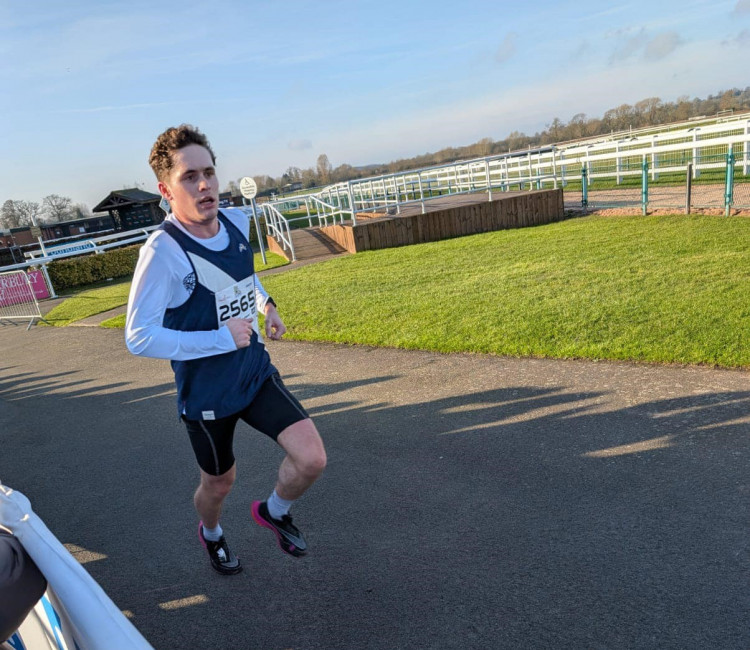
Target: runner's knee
(218,486)
(312,464)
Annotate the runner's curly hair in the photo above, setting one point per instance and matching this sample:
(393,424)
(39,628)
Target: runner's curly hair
(174,139)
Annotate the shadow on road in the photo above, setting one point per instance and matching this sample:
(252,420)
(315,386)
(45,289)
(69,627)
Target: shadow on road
(522,516)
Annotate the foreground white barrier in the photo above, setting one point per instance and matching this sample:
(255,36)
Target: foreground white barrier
(75,613)
(20,292)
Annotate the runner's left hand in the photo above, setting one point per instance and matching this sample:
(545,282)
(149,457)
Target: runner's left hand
(275,327)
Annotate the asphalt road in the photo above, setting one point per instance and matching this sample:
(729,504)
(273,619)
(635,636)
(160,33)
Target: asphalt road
(469,502)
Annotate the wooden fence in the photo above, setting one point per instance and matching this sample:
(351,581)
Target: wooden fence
(505,211)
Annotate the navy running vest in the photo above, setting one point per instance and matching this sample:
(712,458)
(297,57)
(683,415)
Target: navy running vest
(221,385)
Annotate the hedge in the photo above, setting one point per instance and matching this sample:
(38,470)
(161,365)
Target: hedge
(115,263)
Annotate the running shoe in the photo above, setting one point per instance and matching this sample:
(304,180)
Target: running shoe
(222,559)
(288,536)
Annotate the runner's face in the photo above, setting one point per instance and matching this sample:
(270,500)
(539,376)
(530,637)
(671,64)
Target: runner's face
(192,187)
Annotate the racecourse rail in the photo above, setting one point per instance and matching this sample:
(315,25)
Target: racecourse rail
(705,145)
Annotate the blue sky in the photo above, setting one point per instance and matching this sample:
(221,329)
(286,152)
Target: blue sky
(87,86)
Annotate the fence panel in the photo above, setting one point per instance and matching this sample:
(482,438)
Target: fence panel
(613,185)
(741,197)
(19,294)
(709,184)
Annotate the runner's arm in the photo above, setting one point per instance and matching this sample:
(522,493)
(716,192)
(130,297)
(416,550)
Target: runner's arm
(151,293)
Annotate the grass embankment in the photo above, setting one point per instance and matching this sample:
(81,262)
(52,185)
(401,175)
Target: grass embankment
(90,301)
(662,289)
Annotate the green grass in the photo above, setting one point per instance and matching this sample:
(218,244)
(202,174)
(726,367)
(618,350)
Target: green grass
(91,301)
(88,303)
(661,289)
(655,289)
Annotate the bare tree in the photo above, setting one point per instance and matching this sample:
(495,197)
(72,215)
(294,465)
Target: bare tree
(57,208)
(292,175)
(80,211)
(30,212)
(727,101)
(648,109)
(324,169)
(577,126)
(481,148)
(15,214)
(9,216)
(309,178)
(555,129)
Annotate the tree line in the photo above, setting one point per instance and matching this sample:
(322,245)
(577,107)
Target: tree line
(651,111)
(53,209)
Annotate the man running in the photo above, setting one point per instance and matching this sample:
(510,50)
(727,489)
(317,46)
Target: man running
(195,300)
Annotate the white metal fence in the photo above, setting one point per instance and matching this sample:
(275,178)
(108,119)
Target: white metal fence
(20,293)
(618,157)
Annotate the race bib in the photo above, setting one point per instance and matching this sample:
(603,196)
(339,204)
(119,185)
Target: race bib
(238,301)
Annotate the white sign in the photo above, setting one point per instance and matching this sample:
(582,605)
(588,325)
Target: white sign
(76,247)
(248,187)
(164,205)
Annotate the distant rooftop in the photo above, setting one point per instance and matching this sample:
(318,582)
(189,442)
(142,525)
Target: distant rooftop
(120,198)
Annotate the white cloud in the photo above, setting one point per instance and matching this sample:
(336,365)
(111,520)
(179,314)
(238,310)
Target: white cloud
(507,48)
(742,7)
(662,45)
(627,46)
(741,40)
(299,145)
(653,48)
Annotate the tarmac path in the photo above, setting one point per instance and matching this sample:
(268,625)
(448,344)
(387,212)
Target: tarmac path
(469,501)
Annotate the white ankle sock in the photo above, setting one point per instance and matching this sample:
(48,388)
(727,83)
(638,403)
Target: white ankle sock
(278,507)
(213,534)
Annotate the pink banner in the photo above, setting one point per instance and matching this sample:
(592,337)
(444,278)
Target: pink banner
(14,289)
(41,291)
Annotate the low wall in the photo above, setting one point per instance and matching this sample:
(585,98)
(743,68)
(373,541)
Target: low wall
(516,211)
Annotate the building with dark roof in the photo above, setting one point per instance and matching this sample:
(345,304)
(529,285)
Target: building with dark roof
(132,208)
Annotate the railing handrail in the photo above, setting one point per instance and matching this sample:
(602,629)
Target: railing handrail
(277,226)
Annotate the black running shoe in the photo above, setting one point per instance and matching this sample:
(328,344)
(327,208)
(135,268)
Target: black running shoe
(288,536)
(222,559)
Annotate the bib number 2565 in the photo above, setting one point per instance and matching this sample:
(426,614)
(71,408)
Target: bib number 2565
(239,307)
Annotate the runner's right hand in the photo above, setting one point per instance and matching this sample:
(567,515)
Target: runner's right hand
(242,330)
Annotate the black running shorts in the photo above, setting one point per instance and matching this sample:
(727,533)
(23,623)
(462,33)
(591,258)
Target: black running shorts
(272,410)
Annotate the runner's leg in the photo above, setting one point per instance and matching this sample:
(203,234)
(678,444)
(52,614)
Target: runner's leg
(211,493)
(304,462)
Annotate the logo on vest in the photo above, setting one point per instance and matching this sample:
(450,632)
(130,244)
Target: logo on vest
(243,248)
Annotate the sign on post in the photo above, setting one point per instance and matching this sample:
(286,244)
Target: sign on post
(248,187)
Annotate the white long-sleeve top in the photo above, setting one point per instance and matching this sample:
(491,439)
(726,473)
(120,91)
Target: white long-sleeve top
(162,281)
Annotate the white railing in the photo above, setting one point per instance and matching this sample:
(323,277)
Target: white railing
(324,211)
(666,149)
(18,296)
(84,246)
(277,226)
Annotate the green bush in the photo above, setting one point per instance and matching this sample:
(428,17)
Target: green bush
(115,263)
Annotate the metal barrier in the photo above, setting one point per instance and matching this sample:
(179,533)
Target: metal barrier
(715,188)
(277,226)
(19,294)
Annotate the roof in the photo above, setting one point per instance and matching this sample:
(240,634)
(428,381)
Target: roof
(120,198)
